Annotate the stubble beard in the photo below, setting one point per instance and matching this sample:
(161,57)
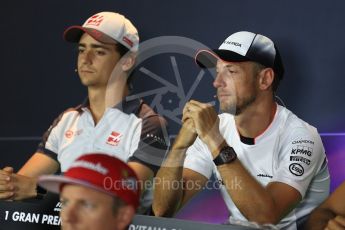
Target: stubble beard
(238,106)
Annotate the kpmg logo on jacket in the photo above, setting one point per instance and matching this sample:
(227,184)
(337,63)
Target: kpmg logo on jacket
(302,150)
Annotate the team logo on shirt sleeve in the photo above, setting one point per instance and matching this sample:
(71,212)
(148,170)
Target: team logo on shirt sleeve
(302,150)
(296,169)
(114,138)
(300,159)
(301,154)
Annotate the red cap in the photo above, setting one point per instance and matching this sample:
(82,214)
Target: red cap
(101,172)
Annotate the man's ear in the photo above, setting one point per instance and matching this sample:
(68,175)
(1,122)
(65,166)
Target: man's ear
(124,216)
(128,61)
(266,77)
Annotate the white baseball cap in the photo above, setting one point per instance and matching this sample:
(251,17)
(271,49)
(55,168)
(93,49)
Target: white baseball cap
(106,27)
(244,46)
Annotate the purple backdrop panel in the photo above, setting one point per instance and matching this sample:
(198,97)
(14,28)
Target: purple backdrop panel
(335,150)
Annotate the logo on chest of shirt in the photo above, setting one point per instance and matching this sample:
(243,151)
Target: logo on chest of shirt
(264,175)
(114,138)
(70,133)
(57,207)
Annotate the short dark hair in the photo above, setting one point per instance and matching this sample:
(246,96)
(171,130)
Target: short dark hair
(276,80)
(122,51)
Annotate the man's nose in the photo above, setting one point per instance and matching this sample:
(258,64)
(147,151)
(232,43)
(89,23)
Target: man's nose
(218,81)
(87,56)
(69,214)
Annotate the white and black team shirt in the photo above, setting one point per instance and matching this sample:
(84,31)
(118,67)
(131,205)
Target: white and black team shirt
(289,151)
(130,131)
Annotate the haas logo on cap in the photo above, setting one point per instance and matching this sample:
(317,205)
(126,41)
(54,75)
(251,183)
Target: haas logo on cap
(95,20)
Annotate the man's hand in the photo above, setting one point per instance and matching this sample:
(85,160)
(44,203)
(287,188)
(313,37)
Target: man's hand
(6,186)
(206,122)
(337,223)
(24,187)
(16,187)
(186,135)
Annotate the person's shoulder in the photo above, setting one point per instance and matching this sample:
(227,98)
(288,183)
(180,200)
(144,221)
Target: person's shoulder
(146,113)
(292,121)
(296,130)
(67,112)
(151,120)
(77,108)
(72,110)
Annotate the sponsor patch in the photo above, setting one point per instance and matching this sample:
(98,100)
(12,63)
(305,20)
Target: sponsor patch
(153,138)
(91,166)
(264,175)
(58,207)
(68,133)
(232,43)
(128,41)
(114,138)
(296,169)
(302,150)
(303,142)
(300,159)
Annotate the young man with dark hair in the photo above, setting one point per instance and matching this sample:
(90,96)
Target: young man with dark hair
(106,121)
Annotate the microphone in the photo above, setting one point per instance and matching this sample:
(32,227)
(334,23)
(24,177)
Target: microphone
(76,70)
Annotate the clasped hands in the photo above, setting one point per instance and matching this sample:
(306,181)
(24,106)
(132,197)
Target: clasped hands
(16,187)
(199,119)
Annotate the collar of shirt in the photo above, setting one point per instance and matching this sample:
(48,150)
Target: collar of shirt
(126,106)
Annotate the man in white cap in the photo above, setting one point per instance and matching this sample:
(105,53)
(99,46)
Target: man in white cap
(129,130)
(271,165)
(97,192)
